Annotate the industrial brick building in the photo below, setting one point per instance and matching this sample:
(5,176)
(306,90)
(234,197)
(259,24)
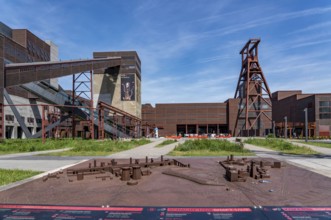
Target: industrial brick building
(119,86)
(24,46)
(220,118)
(33,105)
(291,104)
(195,118)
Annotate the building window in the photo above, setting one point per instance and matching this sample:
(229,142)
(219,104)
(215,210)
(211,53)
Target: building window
(325,109)
(30,120)
(9,117)
(324,104)
(325,116)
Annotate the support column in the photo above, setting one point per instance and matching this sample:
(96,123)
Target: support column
(91,106)
(285,125)
(73,122)
(101,123)
(82,92)
(43,124)
(2,84)
(116,125)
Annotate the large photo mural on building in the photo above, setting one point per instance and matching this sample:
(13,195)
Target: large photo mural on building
(128,87)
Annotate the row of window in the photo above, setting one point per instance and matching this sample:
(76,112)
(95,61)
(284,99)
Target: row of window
(18,54)
(35,50)
(325,103)
(325,109)
(10,118)
(325,116)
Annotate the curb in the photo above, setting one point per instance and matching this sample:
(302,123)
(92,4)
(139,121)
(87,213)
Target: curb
(21,182)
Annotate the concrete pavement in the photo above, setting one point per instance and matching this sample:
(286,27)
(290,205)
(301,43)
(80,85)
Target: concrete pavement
(323,150)
(316,163)
(149,150)
(30,161)
(6,156)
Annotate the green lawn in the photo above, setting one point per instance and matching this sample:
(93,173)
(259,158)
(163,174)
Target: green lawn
(9,176)
(166,142)
(318,144)
(206,147)
(280,145)
(79,147)
(99,148)
(9,146)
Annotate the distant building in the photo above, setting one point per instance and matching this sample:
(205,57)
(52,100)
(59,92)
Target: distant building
(54,56)
(119,86)
(218,118)
(291,104)
(22,46)
(186,118)
(195,118)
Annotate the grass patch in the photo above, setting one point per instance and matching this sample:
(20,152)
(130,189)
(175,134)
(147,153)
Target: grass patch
(166,142)
(10,176)
(206,147)
(99,148)
(280,145)
(317,144)
(9,146)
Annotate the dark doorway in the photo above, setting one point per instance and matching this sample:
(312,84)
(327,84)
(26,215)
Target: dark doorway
(191,129)
(223,129)
(9,131)
(202,129)
(181,130)
(212,129)
(19,132)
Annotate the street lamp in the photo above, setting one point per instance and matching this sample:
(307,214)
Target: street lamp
(306,124)
(285,133)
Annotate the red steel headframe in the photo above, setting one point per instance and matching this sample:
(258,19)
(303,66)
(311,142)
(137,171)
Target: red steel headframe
(252,90)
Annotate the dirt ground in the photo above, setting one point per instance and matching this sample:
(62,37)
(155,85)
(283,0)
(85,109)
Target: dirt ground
(288,186)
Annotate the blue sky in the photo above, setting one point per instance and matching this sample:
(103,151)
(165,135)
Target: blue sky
(190,49)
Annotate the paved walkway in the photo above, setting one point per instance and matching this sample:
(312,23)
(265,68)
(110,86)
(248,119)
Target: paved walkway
(30,161)
(149,150)
(6,156)
(317,163)
(323,150)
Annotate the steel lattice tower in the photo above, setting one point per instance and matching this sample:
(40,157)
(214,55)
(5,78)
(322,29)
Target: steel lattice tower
(252,89)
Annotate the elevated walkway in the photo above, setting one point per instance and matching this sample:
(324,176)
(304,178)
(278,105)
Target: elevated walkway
(61,98)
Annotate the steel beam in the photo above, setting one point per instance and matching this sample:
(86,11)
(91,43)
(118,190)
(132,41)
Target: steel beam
(50,127)
(17,114)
